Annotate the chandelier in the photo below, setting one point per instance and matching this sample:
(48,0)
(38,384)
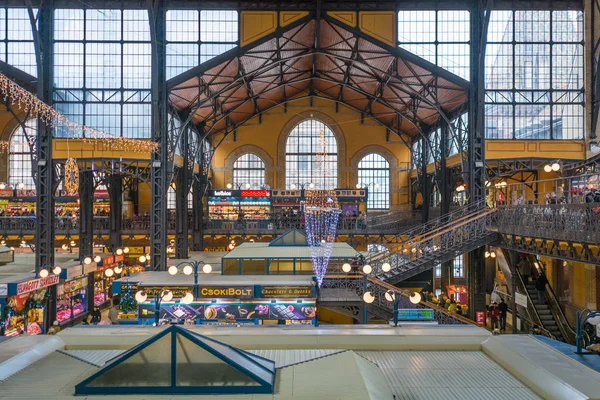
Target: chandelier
(71,176)
(321,214)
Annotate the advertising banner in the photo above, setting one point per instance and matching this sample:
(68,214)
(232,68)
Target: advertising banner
(231,311)
(286,292)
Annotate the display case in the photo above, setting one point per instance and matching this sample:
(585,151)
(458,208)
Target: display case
(25,313)
(71,300)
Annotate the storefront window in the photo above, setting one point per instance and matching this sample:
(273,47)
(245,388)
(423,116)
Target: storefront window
(231,266)
(24,313)
(304,267)
(254,267)
(71,299)
(281,267)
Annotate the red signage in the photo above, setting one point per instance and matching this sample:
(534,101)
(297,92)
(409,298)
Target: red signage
(26,193)
(6,193)
(480,318)
(101,193)
(119,258)
(255,193)
(30,286)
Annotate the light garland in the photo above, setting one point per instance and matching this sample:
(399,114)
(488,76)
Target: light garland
(321,214)
(71,176)
(26,101)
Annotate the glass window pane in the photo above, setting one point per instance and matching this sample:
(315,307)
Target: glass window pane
(249,169)
(19,158)
(374,174)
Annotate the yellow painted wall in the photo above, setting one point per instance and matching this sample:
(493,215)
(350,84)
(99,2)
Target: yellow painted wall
(331,317)
(579,285)
(552,149)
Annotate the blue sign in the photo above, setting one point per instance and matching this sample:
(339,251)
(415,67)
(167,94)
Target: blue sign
(415,314)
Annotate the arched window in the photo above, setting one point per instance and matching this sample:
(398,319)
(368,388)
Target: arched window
(374,174)
(19,158)
(301,151)
(171,202)
(249,169)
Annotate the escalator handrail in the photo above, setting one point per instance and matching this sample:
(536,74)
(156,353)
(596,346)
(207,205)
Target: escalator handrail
(564,325)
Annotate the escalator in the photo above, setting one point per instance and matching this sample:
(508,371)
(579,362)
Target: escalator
(548,316)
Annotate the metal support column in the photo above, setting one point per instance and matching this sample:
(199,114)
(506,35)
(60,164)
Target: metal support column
(446,197)
(181,213)
(197,213)
(115,195)
(159,169)
(44,232)
(475,165)
(425,185)
(86,213)
(514,257)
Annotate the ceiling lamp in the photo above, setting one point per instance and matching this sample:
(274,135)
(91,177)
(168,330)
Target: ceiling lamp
(555,167)
(43,273)
(20,185)
(87,260)
(229,186)
(142,259)
(386,267)
(109,272)
(119,252)
(97,259)
(56,270)
(358,186)
(248,186)
(493,254)
(65,246)
(487,254)
(346,267)
(126,250)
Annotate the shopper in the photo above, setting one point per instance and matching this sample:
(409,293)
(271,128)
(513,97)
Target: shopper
(96,316)
(494,313)
(113,313)
(503,308)
(540,286)
(54,329)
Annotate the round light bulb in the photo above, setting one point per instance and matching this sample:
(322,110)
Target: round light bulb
(390,295)
(23,242)
(109,272)
(3,242)
(2,186)
(293,186)
(97,259)
(248,186)
(43,273)
(172,270)
(386,267)
(229,186)
(73,244)
(166,295)
(377,186)
(118,270)
(358,186)
(346,267)
(368,297)
(555,167)
(367,269)
(207,268)
(141,296)
(65,246)
(20,185)
(188,270)
(487,254)
(119,252)
(548,168)
(126,250)
(415,298)
(56,270)
(87,260)
(311,185)
(188,298)
(493,254)
(142,259)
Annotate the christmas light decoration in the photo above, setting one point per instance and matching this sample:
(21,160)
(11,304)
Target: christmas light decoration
(321,213)
(71,176)
(28,102)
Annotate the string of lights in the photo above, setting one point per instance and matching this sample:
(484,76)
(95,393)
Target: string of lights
(103,141)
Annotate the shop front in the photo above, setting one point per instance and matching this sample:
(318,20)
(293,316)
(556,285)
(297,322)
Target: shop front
(24,304)
(230,209)
(258,300)
(72,295)
(109,269)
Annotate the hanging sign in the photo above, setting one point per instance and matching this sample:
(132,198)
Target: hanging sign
(286,292)
(221,193)
(521,299)
(480,318)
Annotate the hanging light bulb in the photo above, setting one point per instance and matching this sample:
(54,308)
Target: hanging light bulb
(166,295)
(87,260)
(311,185)
(187,298)
(188,270)
(487,254)
(2,186)
(141,296)
(73,244)
(3,242)
(368,297)
(415,298)
(390,295)
(118,269)
(556,167)
(248,186)
(229,186)
(56,270)
(43,273)
(207,268)
(142,259)
(493,254)
(119,252)
(97,259)
(358,186)
(172,270)
(293,186)
(377,186)
(64,246)
(386,267)
(346,267)
(367,269)
(126,250)
(548,168)
(20,185)
(109,272)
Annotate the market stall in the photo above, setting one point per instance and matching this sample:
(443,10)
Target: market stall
(226,208)
(109,268)
(72,294)
(259,299)
(23,304)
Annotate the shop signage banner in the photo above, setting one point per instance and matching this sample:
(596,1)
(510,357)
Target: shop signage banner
(89,268)
(6,193)
(36,284)
(521,299)
(222,193)
(119,258)
(221,292)
(415,314)
(286,292)
(25,192)
(3,289)
(232,312)
(256,193)
(74,272)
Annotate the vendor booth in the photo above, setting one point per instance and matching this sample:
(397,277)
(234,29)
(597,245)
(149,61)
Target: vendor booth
(73,291)
(24,304)
(109,268)
(259,299)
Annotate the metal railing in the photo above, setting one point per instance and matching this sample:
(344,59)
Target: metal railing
(508,300)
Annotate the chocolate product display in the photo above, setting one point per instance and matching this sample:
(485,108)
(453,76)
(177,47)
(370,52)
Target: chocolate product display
(231,311)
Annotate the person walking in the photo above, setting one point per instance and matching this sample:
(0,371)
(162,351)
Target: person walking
(113,313)
(494,313)
(503,308)
(96,316)
(540,286)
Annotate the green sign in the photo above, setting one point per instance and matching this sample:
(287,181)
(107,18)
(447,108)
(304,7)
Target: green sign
(415,314)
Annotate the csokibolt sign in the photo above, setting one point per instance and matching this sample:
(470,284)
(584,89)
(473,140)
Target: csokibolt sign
(235,292)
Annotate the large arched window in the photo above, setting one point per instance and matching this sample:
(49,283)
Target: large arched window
(374,173)
(249,169)
(19,158)
(301,151)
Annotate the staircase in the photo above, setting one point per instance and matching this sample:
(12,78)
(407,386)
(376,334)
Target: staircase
(434,242)
(544,312)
